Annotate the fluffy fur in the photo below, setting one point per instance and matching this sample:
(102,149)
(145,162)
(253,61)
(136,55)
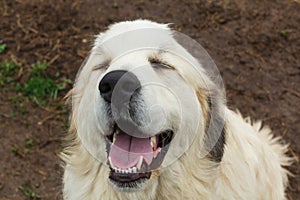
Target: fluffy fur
(246,162)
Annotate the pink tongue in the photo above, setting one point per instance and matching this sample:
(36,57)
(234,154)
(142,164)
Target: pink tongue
(126,151)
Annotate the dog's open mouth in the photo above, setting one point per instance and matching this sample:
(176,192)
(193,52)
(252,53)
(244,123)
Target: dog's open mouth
(132,159)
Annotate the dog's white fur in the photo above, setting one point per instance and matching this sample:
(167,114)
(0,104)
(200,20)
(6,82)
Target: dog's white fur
(252,163)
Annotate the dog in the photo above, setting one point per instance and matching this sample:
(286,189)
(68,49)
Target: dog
(149,122)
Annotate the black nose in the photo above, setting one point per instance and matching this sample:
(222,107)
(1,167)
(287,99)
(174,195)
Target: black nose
(127,83)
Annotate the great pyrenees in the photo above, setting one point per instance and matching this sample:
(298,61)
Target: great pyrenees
(149,122)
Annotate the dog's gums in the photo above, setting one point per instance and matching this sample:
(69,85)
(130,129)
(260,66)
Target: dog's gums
(132,159)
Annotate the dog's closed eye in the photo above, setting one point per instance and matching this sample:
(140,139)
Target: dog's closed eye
(159,64)
(100,66)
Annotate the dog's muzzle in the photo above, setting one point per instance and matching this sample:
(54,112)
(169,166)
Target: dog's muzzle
(132,154)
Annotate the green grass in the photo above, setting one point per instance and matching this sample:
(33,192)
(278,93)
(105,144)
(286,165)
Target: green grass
(2,48)
(283,33)
(40,87)
(8,70)
(29,142)
(37,185)
(15,149)
(34,84)
(26,150)
(28,192)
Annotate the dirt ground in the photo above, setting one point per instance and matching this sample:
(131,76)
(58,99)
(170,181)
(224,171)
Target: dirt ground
(255,44)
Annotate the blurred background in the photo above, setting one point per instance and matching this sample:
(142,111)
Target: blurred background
(255,44)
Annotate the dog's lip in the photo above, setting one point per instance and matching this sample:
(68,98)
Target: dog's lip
(128,178)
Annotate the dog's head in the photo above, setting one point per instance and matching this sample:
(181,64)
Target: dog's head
(140,101)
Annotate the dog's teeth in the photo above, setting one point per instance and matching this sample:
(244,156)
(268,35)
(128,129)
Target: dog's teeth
(115,136)
(110,163)
(153,141)
(126,171)
(134,170)
(139,164)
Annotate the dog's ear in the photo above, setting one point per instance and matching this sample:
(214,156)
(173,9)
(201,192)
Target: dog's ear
(213,105)
(68,97)
(71,142)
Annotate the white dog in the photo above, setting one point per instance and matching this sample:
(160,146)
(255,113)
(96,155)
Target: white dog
(149,123)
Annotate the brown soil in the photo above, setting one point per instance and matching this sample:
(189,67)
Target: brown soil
(255,44)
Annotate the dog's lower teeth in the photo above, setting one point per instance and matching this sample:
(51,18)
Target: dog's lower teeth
(125,171)
(128,170)
(139,164)
(134,170)
(110,163)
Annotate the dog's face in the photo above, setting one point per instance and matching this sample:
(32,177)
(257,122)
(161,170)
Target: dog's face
(137,105)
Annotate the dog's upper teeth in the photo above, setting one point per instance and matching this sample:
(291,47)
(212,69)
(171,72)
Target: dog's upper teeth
(114,138)
(115,135)
(139,163)
(153,141)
